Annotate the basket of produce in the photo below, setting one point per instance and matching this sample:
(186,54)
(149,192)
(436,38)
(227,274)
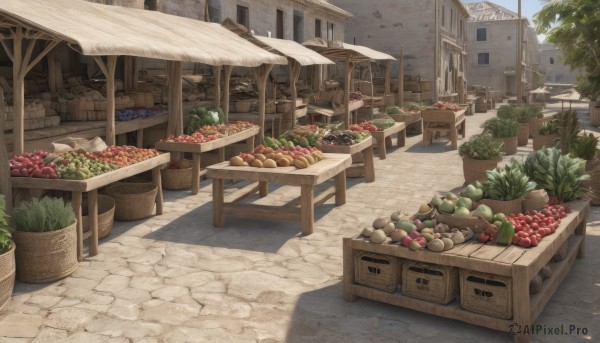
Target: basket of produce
(133,201)
(535,200)
(177,175)
(304,136)
(460,212)
(106,215)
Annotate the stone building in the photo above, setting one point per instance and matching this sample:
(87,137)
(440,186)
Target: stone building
(492,49)
(551,62)
(431,31)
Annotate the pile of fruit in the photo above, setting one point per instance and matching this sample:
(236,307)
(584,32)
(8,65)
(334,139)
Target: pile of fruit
(344,137)
(267,157)
(32,164)
(443,105)
(195,138)
(122,156)
(75,165)
(364,126)
(180,164)
(225,129)
(304,136)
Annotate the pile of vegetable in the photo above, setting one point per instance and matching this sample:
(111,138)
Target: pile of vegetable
(379,124)
(203,116)
(267,157)
(344,137)
(443,105)
(137,113)
(122,156)
(32,164)
(507,183)
(209,133)
(77,166)
(481,147)
(501,127)
(304,136)
(194,138)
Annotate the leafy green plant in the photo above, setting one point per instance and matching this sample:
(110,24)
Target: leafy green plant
(501,128)
(393,110)
(414,106)
(48,214)
(560,175)
(548,128)
(4,232)
(585,147)
(481,147)
(506,112)
(525,114)
(203,116)
(569,129)
(507,183)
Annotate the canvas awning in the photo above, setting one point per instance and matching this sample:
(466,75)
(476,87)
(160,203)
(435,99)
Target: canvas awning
(341,51)
(101,30)
(540,90)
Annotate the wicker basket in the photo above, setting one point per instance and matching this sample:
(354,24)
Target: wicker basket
(377,270)
(510,145)
(523,135)
(540,141)
(501,206)
(476,224)
(475,169)
(534,125)
(486,293)
(176,178)
(284,106)
(46,256)
(7,276)
(431,282)
(595,116)
(133,201)
(244,106)
(106,215)
(535,200)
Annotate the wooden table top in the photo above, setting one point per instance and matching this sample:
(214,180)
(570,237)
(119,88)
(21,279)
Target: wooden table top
(208,146)
(315,174)
(443,116)
(398,126)
(348,149)
(94,182)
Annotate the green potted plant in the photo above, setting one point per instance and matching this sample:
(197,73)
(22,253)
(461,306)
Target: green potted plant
(45,232)
(479,154)
(537,119)
(504,130)
(524,116)
(548,134)
(585,147)
(505,187)
(7,259)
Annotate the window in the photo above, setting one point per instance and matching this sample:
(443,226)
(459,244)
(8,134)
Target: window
(451,18)
(481,34)
(151,5)
(279,24)
(460,29)
(318,28)
(508,37)
(214,11)
(483,58)
(243,16)
(298,26)
(329,31)
(443,16)
(551,60)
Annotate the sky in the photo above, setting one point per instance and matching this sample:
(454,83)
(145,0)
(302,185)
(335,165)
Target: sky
(528,8)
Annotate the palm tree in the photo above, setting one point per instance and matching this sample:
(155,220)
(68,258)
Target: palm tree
(574,26)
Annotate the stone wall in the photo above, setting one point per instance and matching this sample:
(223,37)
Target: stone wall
(551,61)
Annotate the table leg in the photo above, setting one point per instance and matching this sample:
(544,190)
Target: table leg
(221,152)
(521,309)
(140,138)
(218,200)
(195,173)
(464,129)
(401,138)
(581,231)
(454,137)
(76,198)
(307,208)
(382,148)
(93,221)
(340,187)
(348,277)
(159,195)
(263,188)
(369,164)
(250,144)
(426,137)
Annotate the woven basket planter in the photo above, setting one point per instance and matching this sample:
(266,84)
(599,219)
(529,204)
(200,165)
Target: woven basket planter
(595,116)
(510,145)
(535,200)
(593,169)
(46,256)
(476,224)
(504,206)
(475,169)
(7,276)
(540,141)
(534,125)
(133,201)
(175,179)
(523,135)
(106,215)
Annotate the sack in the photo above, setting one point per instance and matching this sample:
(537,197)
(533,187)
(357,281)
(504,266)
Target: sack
(74,143)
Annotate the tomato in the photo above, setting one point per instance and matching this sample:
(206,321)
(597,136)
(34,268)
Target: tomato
(516,239)
(483,237)
(535,226)
(518,228)
(522,234)
(528,219)
(525,242)
(533,241)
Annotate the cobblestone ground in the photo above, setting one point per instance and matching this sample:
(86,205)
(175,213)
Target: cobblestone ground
(175,278)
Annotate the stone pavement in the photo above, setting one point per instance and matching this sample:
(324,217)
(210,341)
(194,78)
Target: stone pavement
(175,278)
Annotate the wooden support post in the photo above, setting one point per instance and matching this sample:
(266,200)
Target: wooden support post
(218,202)
(307,209)
(347,74)
(175,125)
(372,91)
(195,173)
(340,188)
(93,221)
(401,77)
(5,184)
(263,188)
(52,64)
(388,76)
(18,94)
(156,178)
(130,76)
(261,74)
(108,69)
(227,78)
(294,74)
(76,199)
(217,74)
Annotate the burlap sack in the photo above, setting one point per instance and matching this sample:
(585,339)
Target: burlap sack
(74,143)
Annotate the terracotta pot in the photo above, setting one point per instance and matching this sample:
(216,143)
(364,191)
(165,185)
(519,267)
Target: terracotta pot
(540,141)
(534,125)
(474,170)
(510,145)
(523,134)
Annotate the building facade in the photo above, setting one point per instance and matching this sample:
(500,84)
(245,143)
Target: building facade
(551,62)
(432,33)
(492,49)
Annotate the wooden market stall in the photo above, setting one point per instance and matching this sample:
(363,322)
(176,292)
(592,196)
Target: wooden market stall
(350,55)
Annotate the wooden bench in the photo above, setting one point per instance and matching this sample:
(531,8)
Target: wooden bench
(514,262)
(443,121)
(383,139)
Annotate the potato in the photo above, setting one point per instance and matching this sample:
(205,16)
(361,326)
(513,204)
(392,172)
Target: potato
(257,163)
(269,163)
(236,161)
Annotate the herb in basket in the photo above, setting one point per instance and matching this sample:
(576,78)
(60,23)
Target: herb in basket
(507,183)
(48,214)
(585,147)
(481,147)
(501,128)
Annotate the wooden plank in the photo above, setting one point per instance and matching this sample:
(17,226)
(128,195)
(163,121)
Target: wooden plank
(307,208)
(488,252)
(76,199)
(261,211)
(196,166)
(509,255)
(469,249)
(93,221)
(340,188)
(122,127)
(94,182)
(348,149)
(156,179)
(348,269)
(242,193)
(208,146)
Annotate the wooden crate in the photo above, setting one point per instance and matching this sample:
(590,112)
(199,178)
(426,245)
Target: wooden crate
(377,270)
(431,282)
(486,293)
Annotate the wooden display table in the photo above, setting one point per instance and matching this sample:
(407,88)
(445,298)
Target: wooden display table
(365,147)
(329,112)
(514,262)
(197,149)
(138,125)
(383,139)
(413,121)
(274,118)
(91,185)
(333,166)
(443,120)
